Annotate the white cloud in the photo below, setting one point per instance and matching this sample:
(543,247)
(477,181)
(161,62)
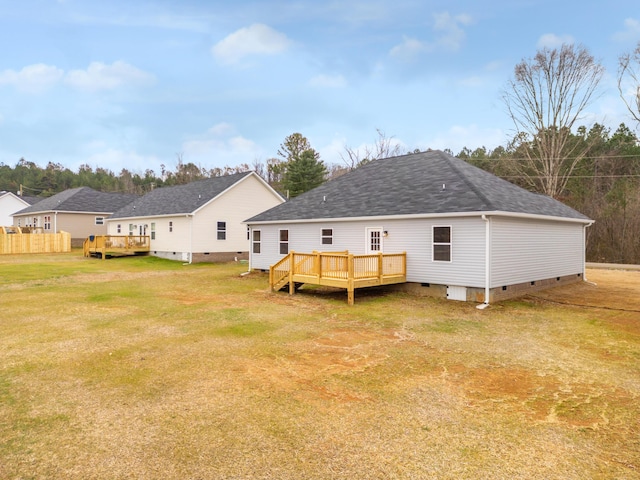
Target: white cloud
(328,81)
(452,34)
(257,39)
(631,31)
(220,145)
(551,40)
(33,78)
(99,76)
(449,37)
(409,48)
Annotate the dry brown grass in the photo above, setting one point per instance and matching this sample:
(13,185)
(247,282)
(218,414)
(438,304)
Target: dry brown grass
(141,369)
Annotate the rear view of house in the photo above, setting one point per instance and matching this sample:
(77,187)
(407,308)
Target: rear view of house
(200,221)
(467,234)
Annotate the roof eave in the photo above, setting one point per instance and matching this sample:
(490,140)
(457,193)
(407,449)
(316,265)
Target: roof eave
(494,213)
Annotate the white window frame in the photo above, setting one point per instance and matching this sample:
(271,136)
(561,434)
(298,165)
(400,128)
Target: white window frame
(324,236)
(118,228)
(434,243)
(99,220)
(255,242)
(47,222)
(221,233)
(283,243)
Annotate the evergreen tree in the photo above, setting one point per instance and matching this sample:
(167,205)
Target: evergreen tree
(304,173)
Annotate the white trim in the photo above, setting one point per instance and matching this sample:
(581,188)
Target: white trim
(368,231)
(433,243)
(495,213)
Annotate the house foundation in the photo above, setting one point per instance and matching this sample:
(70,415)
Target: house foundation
(475,294)
(202,257)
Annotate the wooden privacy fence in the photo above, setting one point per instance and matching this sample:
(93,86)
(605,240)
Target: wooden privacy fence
(338,269)
(114,245)
(14,241)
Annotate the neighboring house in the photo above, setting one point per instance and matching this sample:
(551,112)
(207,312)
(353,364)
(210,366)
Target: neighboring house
(467,234)
(11,203)
(80,211)
(199,221)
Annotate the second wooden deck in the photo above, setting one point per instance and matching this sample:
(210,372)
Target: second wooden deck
(338,269)
(116,245)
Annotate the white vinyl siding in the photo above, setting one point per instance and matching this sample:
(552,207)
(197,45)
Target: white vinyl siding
(413,236)
(199,232)
(529,250)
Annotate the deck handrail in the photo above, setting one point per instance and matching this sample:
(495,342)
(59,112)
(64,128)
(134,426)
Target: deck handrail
(336,266)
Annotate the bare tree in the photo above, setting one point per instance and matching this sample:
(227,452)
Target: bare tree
(383,147)
(546,97)
(629,81)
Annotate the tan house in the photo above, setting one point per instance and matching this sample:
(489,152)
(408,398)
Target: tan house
(80,211)
(200,221)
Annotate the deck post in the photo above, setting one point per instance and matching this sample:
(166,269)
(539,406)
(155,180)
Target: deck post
(292,263)
(318,265)
(380,267)
(350,289)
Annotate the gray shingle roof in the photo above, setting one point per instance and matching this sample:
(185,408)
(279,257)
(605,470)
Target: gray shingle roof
(82,199)
(413,185)
(179,199)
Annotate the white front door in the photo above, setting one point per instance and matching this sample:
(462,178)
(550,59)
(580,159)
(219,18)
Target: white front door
(374,240)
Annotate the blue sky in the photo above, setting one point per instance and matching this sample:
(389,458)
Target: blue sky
(135,84)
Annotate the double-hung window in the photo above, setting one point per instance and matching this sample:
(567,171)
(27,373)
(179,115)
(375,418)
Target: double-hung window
(442,244)
(222,230)
(255,241)
(284,242)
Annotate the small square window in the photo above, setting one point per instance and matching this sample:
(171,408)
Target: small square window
(327,236)
(170,226)
(99,220)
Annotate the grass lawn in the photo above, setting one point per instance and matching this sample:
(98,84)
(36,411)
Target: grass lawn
(144,368)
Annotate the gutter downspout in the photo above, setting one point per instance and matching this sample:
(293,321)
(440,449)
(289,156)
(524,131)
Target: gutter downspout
(250,252)
(487,259)
(584,253)
(55,222)
(190,240)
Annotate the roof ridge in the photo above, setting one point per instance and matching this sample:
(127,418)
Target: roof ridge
(466,180)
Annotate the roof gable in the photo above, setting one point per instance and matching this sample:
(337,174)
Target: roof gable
(180,199)
(430,182)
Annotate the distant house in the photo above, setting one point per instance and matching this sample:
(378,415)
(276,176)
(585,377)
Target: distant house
(199,221)
(467,234)
(80,211)
(11,203)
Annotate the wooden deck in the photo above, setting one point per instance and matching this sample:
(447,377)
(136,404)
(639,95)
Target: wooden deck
(116,245)
(338,269)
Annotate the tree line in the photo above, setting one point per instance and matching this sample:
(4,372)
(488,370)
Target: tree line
(592,169)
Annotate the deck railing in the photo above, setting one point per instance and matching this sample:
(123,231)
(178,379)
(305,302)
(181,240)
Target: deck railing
(340,269)
(116,244)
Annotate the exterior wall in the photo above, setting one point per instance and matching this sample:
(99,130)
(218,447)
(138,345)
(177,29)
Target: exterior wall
(413,236)
(525,250)
(244,200)
(197,235)
(10,204)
